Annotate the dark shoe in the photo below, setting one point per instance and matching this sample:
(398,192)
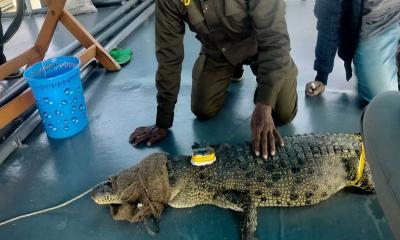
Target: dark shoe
(238,74)
(15,75)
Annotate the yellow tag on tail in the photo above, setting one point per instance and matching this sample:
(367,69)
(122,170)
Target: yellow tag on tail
(361,166)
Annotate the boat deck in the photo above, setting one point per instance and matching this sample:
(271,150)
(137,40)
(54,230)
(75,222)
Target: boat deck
(45,172)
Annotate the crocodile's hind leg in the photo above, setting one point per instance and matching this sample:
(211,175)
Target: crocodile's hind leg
(249,222)
(239,201)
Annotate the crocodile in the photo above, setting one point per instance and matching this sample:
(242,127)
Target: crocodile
(309,169)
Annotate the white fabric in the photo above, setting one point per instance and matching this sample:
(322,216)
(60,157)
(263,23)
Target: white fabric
(76,7)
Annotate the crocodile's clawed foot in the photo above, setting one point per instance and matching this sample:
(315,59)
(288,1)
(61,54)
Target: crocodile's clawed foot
(151,225)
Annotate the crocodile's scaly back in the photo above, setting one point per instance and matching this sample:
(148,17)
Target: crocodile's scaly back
(309,169)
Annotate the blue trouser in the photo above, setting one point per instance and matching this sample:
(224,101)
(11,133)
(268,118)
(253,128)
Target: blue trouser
(375,63)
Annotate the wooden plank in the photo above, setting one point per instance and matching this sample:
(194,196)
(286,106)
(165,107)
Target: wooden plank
(106,60)
(12,65)
(55,10)
(16,107)
(37,53)
(77,29)
(87,55)
(88,40)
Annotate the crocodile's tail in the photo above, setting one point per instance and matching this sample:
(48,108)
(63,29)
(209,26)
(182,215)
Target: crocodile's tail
(366,182)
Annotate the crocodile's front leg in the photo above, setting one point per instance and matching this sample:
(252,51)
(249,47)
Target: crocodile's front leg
(151,225)
(127,211)
(240,201)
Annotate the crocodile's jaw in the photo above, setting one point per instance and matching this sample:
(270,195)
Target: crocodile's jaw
(104,194)
(106,199)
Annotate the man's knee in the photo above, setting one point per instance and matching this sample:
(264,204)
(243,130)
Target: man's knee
(368,91)
(204,111)
(284,116)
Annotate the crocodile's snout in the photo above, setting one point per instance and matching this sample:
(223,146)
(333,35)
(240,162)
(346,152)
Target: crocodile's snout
(105,194)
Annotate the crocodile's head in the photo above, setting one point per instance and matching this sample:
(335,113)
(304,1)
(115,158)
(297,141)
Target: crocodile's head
(105,194)
(137,192)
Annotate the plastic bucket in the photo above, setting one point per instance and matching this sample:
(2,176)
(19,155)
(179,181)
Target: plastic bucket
(57,88)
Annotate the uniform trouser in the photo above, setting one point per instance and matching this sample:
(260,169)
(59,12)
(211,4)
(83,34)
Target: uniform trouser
(211,80)
(375,63)
(381,136)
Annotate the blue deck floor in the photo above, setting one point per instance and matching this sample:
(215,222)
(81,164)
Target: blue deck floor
(47,172)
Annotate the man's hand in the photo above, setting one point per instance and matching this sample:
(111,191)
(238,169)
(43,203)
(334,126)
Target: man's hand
(314,88)
(264,131)
(151,134)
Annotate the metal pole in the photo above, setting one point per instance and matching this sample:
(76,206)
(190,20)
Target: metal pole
(12,91)
(101,3)
(28,7)
(131,27)
(125,20)
(14,141)
(99,27)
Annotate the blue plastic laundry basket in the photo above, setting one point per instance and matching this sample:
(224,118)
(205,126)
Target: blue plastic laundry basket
(57,88)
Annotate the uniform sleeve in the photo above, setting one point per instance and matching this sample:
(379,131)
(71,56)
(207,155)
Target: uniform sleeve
(328,13)
(170,28)
(274,61)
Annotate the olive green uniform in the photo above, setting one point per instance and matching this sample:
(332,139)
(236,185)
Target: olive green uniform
(232,32)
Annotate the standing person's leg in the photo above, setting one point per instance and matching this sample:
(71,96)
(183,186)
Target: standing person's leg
(375,63)
(209,87)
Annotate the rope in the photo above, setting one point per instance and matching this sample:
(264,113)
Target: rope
(153,210)
(51,208)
